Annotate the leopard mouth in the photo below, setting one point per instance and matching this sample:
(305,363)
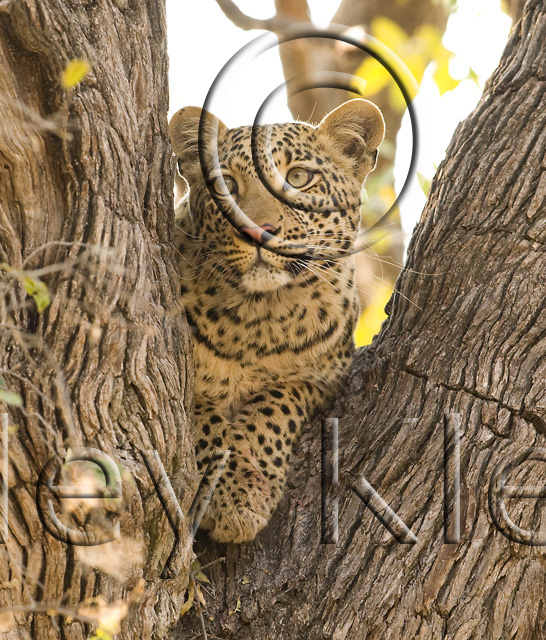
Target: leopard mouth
(263,276)
(297,265)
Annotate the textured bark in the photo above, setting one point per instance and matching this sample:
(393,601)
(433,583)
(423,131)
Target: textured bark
(467,336)
(107,364)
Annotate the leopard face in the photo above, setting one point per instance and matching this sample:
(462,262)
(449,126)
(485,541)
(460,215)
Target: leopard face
(295,182)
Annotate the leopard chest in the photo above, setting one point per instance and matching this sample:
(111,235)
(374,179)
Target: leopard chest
(239,352)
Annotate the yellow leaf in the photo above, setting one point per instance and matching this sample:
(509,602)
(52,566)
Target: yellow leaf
(38,290)
(237,608)
(442,77)
(191,597)
(388,32)
(200,595)
(245,580)
(74,73)
(33,286)
(371,319)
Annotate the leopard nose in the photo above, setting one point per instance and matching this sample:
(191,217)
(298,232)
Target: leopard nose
(256,233)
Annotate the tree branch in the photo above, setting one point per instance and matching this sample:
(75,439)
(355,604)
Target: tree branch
(277,24)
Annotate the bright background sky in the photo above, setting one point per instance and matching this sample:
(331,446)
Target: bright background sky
(202,39)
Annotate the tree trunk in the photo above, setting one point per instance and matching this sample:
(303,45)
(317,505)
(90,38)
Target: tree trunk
(463,347)
(107,365)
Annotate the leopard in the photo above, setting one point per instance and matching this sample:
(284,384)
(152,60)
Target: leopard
(272,328)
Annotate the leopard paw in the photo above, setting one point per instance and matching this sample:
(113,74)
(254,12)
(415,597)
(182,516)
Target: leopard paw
(241,505)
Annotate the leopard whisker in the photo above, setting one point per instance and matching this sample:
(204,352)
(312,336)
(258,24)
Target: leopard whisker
(318,274)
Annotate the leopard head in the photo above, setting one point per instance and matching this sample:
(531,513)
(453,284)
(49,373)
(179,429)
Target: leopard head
(296,182)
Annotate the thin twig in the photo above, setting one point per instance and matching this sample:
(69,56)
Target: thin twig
(206,566)
(50,610)
(201,619)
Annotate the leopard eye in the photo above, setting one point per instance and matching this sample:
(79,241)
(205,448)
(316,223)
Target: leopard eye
(299,178)
(224,186)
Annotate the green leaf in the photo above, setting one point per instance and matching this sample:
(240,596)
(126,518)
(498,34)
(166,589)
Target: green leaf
(198,573)
(424,183)
(472,75)
(10,397)
(39,291)
(201,577)
(195,565)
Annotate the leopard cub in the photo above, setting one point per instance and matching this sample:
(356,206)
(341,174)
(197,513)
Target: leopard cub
(272,331)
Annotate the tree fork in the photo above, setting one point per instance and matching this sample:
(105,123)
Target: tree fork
(465,340)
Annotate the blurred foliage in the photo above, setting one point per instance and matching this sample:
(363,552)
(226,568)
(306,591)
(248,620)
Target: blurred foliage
(108,616)
(101,634)
(9,397)
(416,52)
(33,286)
(409,56)
(373,316)
(380,232)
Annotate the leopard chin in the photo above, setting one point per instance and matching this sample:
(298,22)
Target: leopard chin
(264,277)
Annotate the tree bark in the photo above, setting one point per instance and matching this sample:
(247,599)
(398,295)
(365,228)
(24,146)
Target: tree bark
(464,344)
(86,197)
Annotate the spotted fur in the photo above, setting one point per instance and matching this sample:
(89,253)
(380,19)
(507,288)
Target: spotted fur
(272,334)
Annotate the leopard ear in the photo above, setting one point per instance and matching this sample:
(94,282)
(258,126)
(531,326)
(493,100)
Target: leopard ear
(356,129)
(184,129)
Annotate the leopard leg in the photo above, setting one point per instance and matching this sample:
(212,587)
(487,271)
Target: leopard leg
(260,438)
